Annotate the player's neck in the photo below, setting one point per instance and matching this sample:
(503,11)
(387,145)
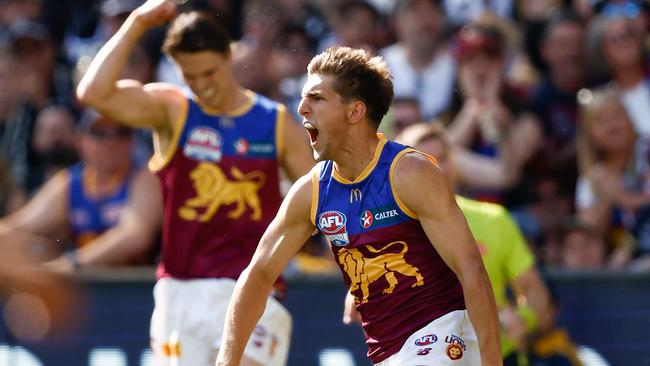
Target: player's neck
(357,155)
(236,99)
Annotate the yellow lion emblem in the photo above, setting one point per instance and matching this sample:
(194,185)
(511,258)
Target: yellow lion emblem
(365,270)
(213,189)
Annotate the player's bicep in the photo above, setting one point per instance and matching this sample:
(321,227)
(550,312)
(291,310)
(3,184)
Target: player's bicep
(135,104)
(287,232)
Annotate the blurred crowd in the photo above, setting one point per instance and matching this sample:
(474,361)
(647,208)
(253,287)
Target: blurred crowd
(546,105)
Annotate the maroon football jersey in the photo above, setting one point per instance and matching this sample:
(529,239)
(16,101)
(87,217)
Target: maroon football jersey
(399,280)
(220,189)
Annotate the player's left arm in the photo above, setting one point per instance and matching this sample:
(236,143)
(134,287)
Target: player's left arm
(295,154)
(281,241)
(423,188)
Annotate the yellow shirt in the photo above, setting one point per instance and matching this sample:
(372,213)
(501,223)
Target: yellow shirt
(502,246)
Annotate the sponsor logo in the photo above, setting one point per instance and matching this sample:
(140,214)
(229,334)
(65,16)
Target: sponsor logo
(366,219)
(426,340)
(355,195)
(380,216)
(454,351)
(203,143)
(454,339)
(245,147)
(332,224)
(242,146)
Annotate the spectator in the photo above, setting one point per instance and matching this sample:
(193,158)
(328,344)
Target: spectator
(107,208)
(356,25)
(289,59)
(487,117)
(507,259)
(554,100)
(613,182)
(461,12)
(112,14)
(53,142)
(582,247)
(616,46)
(12,10)
(16,123)
(421,66)
(251,54)
(403,113)
(46,77)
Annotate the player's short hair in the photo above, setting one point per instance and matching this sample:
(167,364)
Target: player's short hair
(196,31)
(358,76)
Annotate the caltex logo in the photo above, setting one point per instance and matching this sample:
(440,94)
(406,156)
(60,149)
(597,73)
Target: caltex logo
(366,219)
(242,146)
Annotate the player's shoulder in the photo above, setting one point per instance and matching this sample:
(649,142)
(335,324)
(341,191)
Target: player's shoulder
(412,163)
(265,104)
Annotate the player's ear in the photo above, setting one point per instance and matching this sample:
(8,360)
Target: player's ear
(356,111)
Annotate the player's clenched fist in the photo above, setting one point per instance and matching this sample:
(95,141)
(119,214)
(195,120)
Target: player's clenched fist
(155,13)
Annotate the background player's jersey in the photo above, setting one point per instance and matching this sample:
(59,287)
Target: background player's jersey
(399,280)
(503,248)
(220,188)
(89,217)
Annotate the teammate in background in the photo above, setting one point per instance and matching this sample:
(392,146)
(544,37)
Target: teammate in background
(108,208)
(218,148)
(400,240)
(508,261)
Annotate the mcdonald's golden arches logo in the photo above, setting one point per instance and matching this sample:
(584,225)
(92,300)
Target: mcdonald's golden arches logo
(355,195)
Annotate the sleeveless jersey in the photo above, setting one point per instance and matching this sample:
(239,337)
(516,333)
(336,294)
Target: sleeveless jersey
(90,217)
(220,188)
(399,280)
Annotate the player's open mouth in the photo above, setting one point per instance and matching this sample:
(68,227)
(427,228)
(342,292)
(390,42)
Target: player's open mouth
(207,93)
(312,131)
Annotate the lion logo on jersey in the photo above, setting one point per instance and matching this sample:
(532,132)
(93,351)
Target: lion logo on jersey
(365,270)
(213,189)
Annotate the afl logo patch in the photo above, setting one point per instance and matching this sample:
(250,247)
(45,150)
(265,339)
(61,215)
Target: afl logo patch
(332,224)
(366,219)
(426,340)
(203,143)
(455,351)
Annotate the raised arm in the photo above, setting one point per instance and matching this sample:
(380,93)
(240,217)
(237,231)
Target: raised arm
(128,101)
(282,239)
(424,189)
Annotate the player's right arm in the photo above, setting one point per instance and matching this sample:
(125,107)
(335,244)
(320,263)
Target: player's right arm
(282,239)
(128,101)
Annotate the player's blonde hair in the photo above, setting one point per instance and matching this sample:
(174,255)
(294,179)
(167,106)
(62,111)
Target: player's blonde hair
(358,76)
